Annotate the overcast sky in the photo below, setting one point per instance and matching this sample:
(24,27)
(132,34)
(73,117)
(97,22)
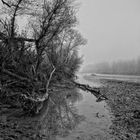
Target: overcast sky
(112,28)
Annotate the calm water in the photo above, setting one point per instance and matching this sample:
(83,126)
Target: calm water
(97,122)
(97,117)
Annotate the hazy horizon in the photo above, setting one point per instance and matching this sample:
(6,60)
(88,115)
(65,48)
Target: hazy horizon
(112,28)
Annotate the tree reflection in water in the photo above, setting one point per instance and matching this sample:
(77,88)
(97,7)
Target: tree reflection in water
(58,117)
(61,116)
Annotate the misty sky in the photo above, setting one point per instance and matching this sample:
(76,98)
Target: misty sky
(112,28)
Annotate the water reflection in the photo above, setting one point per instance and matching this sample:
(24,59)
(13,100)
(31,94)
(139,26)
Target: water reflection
(97,118)
(62,115)
(58,117)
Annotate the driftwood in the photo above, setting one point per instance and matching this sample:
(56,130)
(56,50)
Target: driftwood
(95,91)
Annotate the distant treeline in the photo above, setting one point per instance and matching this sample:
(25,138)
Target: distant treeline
(130,67)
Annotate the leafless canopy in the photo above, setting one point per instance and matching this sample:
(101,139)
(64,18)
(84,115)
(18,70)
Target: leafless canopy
(47,45)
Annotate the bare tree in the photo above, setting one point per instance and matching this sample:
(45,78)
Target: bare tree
(50,35)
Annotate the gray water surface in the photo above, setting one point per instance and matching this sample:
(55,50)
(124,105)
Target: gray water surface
(97,117)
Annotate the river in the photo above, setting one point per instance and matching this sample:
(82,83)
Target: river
(74,114)
(99,119)
(97,116)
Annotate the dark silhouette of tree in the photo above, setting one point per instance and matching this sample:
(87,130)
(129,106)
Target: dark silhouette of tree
(36,56)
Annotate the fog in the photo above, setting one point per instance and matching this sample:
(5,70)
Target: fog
(129,67)
(112,28)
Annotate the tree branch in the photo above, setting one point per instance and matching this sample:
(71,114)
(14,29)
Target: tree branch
(13,18)
(24,39)
(15,75)
(50,77)
(5,3)
(4,37)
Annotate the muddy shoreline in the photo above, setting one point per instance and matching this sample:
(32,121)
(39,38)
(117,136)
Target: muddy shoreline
(124,103)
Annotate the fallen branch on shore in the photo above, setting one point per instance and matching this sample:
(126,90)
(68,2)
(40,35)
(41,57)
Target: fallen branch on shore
(95,91)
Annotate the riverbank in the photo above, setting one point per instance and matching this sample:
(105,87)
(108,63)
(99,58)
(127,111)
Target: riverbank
(124,103)
(74,114)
